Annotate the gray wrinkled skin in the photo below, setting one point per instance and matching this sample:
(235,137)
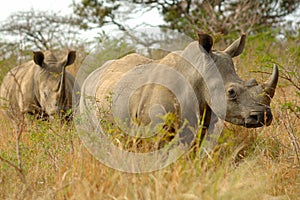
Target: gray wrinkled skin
(248,103)
(40,87)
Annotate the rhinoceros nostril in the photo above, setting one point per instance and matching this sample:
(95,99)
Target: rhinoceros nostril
(259,118)
(254,117)
(269,117)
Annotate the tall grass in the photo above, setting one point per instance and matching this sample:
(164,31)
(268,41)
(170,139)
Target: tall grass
(260,163)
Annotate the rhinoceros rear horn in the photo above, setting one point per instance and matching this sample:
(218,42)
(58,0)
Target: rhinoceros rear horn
(70,58)
(270,85)
(237,47)
(205,41)
(38,58)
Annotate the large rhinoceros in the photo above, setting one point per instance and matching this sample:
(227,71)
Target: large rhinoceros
(184,83)
(40,87)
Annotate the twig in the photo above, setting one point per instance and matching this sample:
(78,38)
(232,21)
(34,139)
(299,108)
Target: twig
(293,138)
(20,171)
(19,129)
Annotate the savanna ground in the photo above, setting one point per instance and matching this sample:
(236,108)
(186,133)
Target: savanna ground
(49,161)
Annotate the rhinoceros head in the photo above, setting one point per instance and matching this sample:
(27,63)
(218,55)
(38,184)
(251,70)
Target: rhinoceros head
(248,103)
(50,81)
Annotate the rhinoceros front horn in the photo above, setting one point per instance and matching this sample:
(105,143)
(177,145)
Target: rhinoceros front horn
(271,83)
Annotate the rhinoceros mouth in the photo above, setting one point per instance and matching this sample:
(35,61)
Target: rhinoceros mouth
(258,119)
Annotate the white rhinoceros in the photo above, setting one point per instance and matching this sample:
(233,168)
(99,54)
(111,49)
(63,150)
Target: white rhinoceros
(184,83)
(40,87)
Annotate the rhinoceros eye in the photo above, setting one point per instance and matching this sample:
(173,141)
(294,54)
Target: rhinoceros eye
(231,93)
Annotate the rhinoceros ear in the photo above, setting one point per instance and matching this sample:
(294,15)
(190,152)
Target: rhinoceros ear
(237,47)
(205,41)
(70,58)
(38,58)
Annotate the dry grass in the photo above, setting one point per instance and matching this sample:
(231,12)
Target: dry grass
(248,164)
(258,163)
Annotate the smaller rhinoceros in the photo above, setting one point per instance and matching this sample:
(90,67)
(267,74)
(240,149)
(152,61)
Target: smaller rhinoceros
(39,87)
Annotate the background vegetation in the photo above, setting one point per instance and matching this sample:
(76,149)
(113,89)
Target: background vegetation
(47,160)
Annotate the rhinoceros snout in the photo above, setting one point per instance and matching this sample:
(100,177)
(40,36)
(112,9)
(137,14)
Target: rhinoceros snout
(259,118)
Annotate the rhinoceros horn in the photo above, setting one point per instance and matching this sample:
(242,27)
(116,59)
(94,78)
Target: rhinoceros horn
(68,61)
(270,85)
(61,88)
